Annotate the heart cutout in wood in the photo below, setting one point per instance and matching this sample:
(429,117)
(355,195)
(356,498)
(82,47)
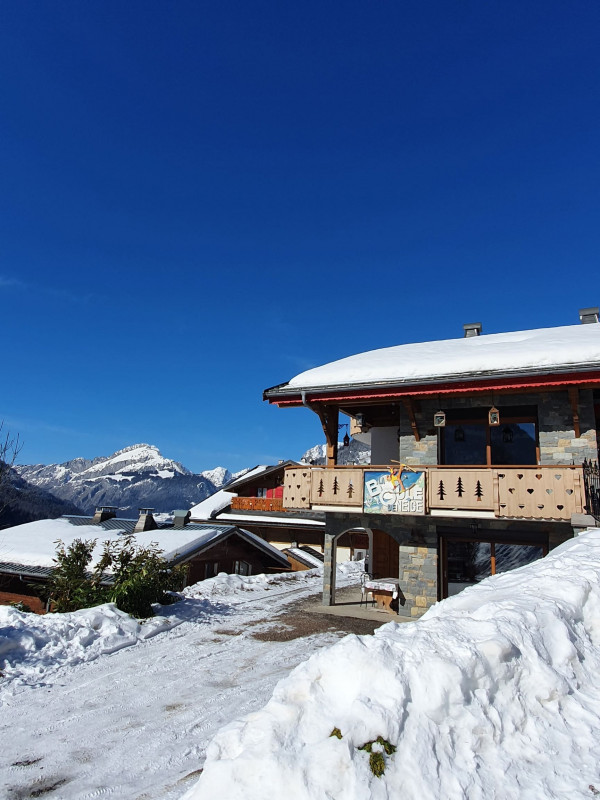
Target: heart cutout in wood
(548,491)
(558,477)
(560,508)
(538,476)
(530,491)
(520,476)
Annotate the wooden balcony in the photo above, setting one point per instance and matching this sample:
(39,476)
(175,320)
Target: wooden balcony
(257,504)
(530,492)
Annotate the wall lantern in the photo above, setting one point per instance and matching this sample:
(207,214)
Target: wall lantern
(439,419)
(459,434)
(346,439)
(494,416)
(507,435)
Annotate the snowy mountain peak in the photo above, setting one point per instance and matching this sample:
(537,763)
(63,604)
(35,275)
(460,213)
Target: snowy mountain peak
(130,478)
(218,476)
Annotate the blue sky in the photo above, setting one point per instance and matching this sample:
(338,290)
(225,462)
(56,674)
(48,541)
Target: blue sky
(200,200)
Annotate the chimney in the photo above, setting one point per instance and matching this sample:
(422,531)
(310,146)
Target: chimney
(588,315)
(103,513)
(181,517)
(146,521)
(472,329)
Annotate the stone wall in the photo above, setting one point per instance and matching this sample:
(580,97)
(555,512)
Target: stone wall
(558,444)
(418,580)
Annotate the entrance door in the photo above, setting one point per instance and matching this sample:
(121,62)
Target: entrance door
(467,561)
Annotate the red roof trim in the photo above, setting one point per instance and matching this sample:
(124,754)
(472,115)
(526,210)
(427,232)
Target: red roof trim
(459,387)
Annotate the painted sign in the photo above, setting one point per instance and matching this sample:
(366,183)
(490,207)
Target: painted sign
(394,491)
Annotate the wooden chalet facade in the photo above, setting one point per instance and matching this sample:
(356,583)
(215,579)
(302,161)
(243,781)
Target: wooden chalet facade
(483,454)
(255,502)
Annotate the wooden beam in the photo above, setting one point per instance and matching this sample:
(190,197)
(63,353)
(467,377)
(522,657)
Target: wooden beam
(574,400)
(410,410)
(329,416)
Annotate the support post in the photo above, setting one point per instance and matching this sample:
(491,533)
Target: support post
(410,410)
(329,566)
(329,416)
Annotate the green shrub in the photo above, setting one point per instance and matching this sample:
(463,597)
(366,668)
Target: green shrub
(139,577)
(71,585)
(376,758)
(377,764)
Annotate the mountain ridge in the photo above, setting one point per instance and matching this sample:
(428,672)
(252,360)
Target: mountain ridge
(133,477)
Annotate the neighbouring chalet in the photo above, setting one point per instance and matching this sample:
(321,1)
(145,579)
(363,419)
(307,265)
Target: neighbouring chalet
(28,550)
(484,454)
(255,502)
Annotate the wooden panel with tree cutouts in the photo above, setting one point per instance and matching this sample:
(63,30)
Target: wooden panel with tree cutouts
(468,489)
(332,487)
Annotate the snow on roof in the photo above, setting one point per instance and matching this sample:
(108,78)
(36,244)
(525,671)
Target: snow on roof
(208,508)
(33,544)
(493,693)
(251,473)
(287,519)
(518,352)
(304,557)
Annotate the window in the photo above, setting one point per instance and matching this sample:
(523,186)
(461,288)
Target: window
(467,438)
(242,568)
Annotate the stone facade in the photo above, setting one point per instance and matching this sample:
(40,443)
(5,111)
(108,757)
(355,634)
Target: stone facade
(418,580)
(557,440)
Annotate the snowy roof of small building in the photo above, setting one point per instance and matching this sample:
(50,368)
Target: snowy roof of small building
(211,506)
(561,349)
(33,544)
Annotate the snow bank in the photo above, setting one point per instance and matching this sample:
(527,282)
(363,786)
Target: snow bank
(235,586)
(493,693)
(32,645)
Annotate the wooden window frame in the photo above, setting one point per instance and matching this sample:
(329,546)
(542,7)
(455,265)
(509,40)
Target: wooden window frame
(505,419)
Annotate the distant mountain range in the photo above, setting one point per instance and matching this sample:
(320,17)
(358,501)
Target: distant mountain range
(355,453)
(132,478)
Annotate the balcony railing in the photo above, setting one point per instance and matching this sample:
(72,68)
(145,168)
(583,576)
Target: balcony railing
(537,492)
(257,503)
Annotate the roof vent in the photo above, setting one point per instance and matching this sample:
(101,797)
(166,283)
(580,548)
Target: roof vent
(146,521)
(472,329)
(181,517)
(587,315)
(103,513)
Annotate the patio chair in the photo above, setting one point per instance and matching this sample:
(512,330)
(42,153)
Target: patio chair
(364,592)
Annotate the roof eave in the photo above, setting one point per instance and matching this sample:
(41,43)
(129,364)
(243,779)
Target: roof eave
(296,396)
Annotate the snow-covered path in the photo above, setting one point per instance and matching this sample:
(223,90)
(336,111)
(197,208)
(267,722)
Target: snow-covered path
(135,724)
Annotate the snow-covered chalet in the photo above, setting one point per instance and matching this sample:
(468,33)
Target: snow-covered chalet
(484,454)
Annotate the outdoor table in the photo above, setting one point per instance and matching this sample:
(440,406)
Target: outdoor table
(384,590)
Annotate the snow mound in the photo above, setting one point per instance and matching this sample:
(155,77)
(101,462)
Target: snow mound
(493,693)
(32,645)
(232,586)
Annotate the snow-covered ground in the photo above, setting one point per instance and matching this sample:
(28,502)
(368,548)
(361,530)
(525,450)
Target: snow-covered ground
(94,703)
(494,693)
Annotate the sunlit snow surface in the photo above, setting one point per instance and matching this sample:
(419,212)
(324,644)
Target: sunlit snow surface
(515,352)
(494,693)
(94,703)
